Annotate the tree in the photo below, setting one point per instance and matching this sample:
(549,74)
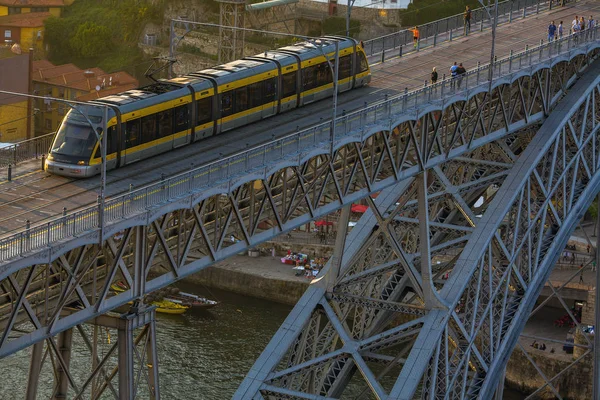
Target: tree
(57,32)
(91,39)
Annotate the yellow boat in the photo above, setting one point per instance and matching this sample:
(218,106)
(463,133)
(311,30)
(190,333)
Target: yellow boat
(168,307)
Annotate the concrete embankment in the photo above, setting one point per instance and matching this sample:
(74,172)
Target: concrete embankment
(263,277)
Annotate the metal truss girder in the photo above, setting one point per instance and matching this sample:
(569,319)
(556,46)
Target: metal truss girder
(557,129)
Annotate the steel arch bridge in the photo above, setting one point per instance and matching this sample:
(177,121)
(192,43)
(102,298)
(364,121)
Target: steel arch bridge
(456,148)
(401,326)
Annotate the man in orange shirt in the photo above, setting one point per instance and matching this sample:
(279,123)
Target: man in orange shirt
(415,32)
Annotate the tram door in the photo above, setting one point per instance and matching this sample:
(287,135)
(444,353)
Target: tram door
(181,125)
(270,92)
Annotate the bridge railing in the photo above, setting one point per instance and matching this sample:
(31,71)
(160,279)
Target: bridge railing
(223,172)
(25,150)
(430,34)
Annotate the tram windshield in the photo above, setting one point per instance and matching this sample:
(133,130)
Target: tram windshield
(74,138)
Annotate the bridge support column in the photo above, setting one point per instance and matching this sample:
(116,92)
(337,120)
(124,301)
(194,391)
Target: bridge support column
(596,382)
(35,367)
(65,342)
(127,342)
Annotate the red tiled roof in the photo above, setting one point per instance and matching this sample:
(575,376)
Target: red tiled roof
(42,64)
(27,20)
(32,3)
(44,70)
(68,75)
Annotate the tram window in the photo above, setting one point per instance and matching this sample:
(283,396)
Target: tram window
(164,123)
(309,77)
(241,99)
(148,128)
(270,90)
(323,74)
(363,62)
(181,118)
(345,67)
(226,104)
(255,98)
(289,84)
(132,133)
(204,110)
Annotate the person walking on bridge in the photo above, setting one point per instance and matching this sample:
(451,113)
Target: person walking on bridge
(453,74)
(467,18)
(560,30)
(460,72)
(434,76)
(551,31)
(415,32)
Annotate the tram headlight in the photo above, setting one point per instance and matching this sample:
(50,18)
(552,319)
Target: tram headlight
(80,162)
(50,157)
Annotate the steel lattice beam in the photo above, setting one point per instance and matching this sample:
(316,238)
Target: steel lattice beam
(532,191)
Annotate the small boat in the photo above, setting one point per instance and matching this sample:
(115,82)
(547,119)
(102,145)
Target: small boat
(175,302)
(169,307)
(191,300)
(118,287)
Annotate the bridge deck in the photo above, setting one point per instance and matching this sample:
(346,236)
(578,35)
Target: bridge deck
(35,196)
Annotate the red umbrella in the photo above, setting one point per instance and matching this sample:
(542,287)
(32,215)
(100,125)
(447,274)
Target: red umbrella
(322,222)
(358,208)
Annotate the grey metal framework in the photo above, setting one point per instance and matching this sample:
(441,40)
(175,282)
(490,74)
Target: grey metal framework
(175,228)
(231,40)
(130,359)
(446,29)
(441,274)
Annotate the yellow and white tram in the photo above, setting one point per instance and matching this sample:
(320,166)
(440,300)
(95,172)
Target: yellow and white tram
(174,112)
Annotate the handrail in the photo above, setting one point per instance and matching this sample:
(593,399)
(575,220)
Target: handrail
(25,150)
(446,29)
(222,171)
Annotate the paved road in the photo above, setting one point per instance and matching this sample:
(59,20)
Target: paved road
(36,196)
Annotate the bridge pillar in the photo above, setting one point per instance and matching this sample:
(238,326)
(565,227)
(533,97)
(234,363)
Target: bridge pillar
(127,342)
(62,377)
(35,367)
(596,382)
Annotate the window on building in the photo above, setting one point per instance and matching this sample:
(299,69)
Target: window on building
(14,10)
(61,108)
(40,9)
(7,34)
(48,123)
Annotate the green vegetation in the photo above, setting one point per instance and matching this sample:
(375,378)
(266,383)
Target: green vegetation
(190,49)
(337,26)
(422,11)
(102,33)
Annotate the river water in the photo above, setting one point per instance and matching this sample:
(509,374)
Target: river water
(203,355)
